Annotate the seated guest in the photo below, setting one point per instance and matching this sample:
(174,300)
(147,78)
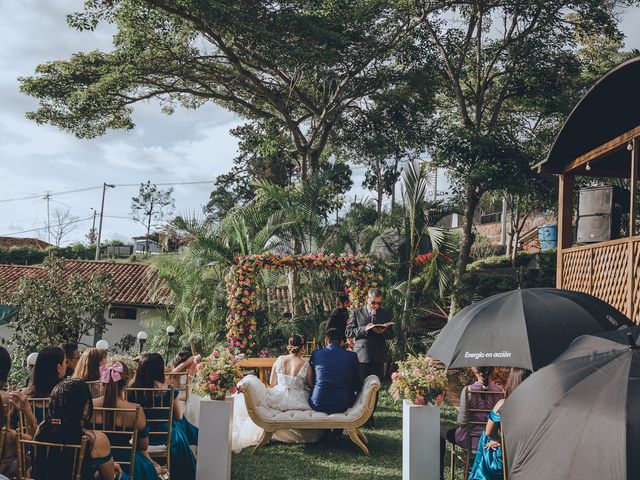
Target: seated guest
(488,462)
(115,376)
(72,355)
(150,374)
(339,316)
(473,424)
(5,366)
(335,375)
(88,368)
(70,412)
(49,370)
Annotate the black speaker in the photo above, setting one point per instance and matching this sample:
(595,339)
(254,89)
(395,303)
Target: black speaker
(599,213)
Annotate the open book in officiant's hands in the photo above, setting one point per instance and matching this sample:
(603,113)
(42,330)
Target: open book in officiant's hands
(378,326)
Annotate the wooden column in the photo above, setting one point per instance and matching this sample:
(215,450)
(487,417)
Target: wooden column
(565,220)
(633,213)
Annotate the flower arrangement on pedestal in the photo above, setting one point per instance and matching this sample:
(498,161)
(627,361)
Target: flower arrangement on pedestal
(419,380)
(217,375)
(357,271)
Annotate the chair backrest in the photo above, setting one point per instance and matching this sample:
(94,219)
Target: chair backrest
(479,404)
(120,425)
(40,409)
(96,387)
(181,383)
(157,405)
(36,449)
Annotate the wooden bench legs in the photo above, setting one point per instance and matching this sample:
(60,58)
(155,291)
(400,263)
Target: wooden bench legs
(266,438)
(359,439)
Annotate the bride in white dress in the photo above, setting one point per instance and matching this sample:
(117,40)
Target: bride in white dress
(290,380)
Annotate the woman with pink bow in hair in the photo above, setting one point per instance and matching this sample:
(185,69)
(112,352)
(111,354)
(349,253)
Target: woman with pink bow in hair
(115,376)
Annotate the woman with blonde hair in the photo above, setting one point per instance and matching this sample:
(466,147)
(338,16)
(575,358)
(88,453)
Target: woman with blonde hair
(88,368)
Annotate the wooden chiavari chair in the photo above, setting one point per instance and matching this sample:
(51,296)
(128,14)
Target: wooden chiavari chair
(96,387)
(181,383)
(76,453)
(476,427)
(123,438)
(157,405)
(40,409)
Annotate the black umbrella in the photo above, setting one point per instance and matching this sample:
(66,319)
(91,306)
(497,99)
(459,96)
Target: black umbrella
(579,417)
(525,328)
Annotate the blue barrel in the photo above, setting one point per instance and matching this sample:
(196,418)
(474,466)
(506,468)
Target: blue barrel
(548,236)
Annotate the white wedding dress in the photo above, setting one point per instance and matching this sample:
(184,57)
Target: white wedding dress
(289,394)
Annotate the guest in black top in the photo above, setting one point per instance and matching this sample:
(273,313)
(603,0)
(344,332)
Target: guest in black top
(339,316)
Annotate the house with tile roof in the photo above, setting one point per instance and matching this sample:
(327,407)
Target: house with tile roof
(8,242)
(134,299)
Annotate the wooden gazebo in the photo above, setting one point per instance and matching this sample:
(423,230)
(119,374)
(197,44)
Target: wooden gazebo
(601,138)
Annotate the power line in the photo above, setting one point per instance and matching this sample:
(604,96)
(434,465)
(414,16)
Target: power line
(165,183)
(44,228)
(86,189)
(31,197)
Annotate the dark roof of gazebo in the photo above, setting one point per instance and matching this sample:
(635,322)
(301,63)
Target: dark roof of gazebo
(609,109)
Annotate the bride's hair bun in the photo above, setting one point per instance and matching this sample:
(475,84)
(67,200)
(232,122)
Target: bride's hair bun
(296,342)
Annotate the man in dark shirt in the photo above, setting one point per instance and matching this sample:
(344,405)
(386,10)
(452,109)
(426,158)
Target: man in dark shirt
(336,375)
(339,316)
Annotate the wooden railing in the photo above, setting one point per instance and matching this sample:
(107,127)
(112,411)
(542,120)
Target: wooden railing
(607,270)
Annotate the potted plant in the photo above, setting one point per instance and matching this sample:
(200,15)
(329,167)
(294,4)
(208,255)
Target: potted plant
(421,385)
(216,377)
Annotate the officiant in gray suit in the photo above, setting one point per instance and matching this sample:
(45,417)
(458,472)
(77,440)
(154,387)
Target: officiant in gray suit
(367,326)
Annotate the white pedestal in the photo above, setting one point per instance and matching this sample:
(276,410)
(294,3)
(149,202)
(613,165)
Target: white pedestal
(214,440)
(420,442)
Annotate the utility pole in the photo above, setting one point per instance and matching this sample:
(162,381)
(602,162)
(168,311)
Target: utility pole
(104,189)
(47,197)
(435,185)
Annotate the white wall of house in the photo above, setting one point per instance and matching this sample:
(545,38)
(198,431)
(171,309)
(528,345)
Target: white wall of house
(118,329)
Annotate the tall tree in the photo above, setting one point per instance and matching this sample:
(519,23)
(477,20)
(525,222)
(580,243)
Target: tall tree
(264,153)
(504,64)
(63,224)
(301,63)
(151,205)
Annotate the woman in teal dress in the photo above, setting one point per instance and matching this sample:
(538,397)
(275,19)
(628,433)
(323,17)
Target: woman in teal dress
(115,376)
(68,420)
(488,461)
(150,374)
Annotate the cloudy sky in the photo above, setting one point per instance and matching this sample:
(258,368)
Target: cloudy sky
(189,146)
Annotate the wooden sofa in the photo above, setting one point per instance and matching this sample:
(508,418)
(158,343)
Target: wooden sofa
(271,420)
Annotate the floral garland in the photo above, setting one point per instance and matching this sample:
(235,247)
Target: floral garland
(357,271)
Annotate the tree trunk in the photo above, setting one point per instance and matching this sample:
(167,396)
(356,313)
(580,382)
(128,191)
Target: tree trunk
(379,185)
(395,180)
(146,248)
(293,282)
(472,199)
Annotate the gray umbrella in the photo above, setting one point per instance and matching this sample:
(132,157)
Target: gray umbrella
(526,328)
(579,417)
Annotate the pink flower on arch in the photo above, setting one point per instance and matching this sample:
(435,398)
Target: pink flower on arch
(394,375)
(439,399)
(419,400)
(216,354)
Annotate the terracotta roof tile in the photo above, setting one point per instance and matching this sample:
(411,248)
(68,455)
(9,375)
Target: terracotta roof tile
(8,242)
(134,281)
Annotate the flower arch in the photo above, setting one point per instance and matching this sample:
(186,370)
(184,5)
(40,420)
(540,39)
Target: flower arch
(358,272)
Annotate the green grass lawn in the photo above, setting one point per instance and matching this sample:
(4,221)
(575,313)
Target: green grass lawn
(278,461)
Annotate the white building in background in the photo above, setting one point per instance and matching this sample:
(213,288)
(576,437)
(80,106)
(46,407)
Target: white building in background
(132,302)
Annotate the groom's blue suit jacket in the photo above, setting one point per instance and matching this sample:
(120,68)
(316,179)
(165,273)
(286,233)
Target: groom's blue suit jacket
(337,379)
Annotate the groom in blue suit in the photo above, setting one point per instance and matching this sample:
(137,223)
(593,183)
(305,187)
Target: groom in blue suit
(337,376)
